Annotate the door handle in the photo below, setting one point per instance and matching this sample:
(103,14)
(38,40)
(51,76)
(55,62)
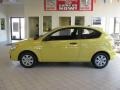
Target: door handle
(73,43)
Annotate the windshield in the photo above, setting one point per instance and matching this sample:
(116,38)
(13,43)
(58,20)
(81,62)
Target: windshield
(37,37)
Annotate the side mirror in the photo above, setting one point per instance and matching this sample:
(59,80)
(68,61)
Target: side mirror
(46,38)
(36,37)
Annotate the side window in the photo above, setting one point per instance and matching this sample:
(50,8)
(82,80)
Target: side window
(90,33)
(87,32)
(63,34)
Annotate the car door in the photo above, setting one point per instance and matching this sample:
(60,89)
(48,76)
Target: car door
(60,46)
(88,43)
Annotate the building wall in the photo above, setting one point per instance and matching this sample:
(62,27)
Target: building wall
(35,8)
(101,9)
(3,33)
(7,11)
(13,10)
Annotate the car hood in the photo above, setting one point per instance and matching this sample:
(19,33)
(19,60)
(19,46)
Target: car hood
(29,42)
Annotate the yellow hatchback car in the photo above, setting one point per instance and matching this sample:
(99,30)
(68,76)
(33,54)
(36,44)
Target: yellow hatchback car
(66,44)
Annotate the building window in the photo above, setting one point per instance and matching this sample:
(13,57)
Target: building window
(79,20)
(47,23)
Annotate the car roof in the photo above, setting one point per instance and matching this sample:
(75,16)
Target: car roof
(77,26)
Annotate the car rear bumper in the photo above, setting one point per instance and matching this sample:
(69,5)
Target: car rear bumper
(112,55)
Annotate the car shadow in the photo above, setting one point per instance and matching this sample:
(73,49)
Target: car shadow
(65,64)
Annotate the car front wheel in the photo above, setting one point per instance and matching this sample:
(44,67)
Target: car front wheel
(28,60)
(100,60)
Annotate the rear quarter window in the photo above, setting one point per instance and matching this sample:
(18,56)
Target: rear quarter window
(90,34)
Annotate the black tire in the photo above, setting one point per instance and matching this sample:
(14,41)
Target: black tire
(27,59)
(100,60)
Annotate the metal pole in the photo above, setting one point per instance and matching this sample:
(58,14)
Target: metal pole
(114,25)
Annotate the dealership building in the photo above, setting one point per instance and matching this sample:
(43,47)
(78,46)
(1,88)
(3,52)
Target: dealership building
(19,20)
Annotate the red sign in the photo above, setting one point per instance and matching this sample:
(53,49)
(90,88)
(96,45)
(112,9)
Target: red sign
(67,5)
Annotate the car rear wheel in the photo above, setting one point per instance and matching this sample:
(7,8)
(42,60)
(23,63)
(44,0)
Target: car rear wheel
(28,59)
(100,60)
